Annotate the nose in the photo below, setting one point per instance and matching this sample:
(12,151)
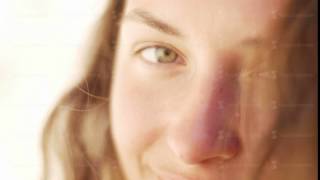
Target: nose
(205,130)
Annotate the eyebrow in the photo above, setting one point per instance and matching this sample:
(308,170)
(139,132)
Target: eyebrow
(147,18)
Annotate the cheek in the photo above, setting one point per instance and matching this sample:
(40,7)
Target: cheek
(137,118)
(130,118)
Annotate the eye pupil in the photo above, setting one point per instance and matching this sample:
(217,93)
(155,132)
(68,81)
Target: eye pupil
(165,55)
(166,52)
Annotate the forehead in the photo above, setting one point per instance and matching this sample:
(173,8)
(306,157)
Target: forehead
(261,8)
(203,17)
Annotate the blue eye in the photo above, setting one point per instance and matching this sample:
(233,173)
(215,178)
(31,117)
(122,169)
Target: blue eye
(158,55)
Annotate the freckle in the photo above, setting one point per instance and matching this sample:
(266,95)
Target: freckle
(274,45)
(275,14)
(274,134)
(274,164)
(237,115)
(274,105)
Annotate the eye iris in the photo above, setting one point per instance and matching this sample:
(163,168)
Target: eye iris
(165,55)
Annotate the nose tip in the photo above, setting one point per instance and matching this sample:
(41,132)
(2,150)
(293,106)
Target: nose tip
(200,149)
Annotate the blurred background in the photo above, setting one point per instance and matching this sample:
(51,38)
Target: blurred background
(42,46)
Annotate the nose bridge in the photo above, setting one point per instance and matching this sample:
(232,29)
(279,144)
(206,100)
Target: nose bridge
(207,100)
(196,133)
(213,94)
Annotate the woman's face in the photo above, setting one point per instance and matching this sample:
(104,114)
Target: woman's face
(187,103)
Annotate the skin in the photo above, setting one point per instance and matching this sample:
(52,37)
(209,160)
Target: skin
(202,116)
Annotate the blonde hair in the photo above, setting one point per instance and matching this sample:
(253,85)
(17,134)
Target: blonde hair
(77,133)
(68,137)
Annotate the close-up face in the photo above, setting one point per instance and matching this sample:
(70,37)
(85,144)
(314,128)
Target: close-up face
(194,95)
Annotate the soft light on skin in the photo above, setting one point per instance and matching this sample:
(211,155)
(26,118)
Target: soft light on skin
(186,120)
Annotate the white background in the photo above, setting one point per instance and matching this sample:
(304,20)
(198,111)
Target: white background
(42,44)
